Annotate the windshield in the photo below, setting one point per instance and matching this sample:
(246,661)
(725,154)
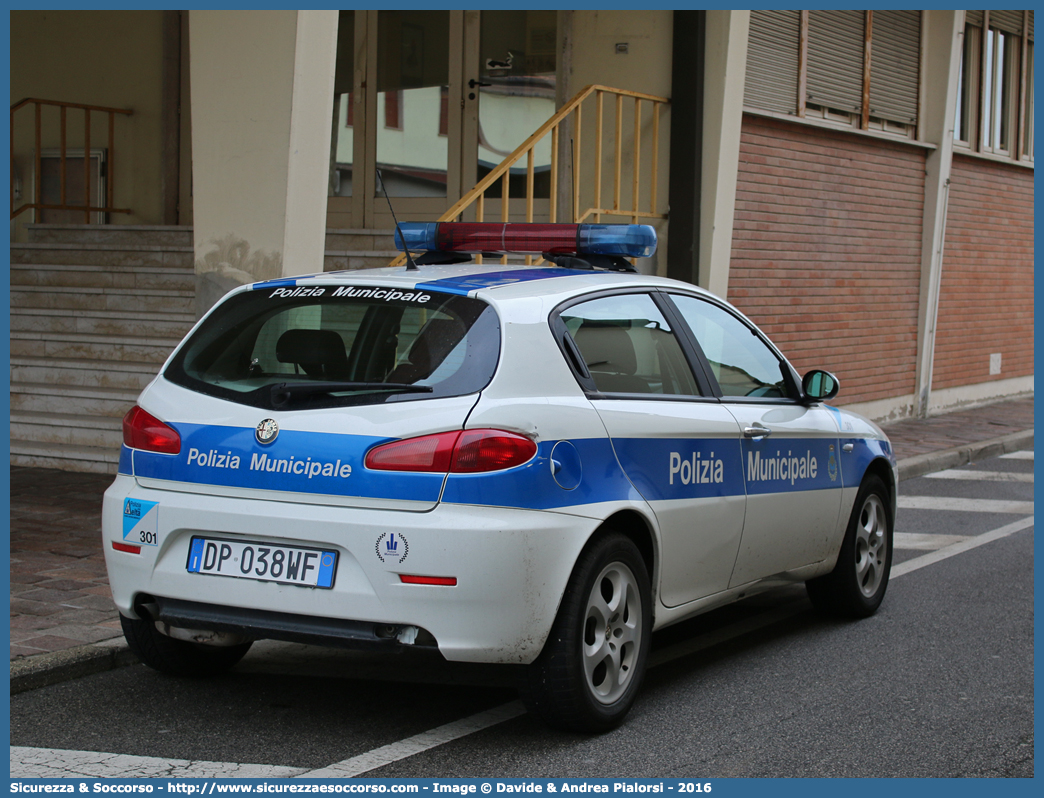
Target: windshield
(287,347)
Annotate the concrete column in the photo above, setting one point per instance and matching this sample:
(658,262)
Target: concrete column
(944,39)
(308,173)
(262,98)
(725,69)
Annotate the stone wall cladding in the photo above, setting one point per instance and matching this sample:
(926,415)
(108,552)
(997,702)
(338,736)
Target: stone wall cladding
(826,251)
(986,295)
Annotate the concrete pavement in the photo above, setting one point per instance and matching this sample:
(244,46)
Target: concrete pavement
(63,622)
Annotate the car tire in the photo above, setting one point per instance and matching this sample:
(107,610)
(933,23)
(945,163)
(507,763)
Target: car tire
(178,657)
(856,586)
(589,672)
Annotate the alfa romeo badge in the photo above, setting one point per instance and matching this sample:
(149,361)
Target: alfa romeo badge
(266,431)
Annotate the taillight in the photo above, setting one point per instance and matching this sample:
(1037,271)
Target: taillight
(143,431)
(429,453)
(470,452)
(490,450)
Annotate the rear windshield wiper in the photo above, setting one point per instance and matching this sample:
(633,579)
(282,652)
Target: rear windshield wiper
(283,392)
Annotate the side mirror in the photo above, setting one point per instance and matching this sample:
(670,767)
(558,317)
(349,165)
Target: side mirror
(819,385)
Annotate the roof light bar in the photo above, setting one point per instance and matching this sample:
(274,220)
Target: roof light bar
(626,240)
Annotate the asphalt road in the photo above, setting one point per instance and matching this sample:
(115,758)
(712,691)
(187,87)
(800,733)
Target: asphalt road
(938,683)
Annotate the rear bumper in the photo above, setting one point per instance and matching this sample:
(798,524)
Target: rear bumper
(511,568)
(258,624)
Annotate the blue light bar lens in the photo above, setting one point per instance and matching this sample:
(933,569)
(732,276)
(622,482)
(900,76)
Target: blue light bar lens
(627,240)
(420,236)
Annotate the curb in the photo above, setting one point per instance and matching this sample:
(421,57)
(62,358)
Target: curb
(960,455)
(71,663)
(43,670)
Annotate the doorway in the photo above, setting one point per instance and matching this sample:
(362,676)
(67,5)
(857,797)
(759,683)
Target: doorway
(432,101)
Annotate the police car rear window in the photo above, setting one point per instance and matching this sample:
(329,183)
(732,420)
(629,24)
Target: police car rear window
(289,347)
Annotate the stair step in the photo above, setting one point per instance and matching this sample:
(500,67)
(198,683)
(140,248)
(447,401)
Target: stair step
(359,239)
(144,325)
(163,300)
(88,373)
(74,392)
(128,278)
(72,399)
(67,428)
(351,261)
(103,255)
(96,459)
(160,235)
(106,423)
(91,347)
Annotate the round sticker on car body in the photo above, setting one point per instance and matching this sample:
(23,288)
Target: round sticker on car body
(392,548)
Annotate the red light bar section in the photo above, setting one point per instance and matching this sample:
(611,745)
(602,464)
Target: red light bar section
(498,237)
(126,547)
(411,579)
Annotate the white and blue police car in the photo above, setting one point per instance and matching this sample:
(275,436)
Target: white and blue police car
(535,465)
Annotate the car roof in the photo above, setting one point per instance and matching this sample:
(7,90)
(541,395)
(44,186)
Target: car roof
(494,281)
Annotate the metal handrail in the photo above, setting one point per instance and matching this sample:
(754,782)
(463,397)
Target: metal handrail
(87,208)
(502,172)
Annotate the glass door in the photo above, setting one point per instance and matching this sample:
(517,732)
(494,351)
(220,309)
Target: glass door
(415,124)
(434,100)
(516,94)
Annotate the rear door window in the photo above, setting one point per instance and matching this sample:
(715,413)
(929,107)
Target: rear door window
(628,346)
(284,348)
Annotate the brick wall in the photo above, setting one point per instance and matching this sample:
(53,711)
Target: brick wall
(826,251)
(986,295)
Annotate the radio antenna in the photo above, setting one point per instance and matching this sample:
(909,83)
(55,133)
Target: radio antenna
(410,265)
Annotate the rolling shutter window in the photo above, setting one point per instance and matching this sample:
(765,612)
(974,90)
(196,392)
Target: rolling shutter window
(835,59)
(772,61)
(895,65)
(973,18)
(1007,21)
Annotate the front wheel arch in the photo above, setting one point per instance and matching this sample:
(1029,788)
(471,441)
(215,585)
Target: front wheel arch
(882,469)
(857,584)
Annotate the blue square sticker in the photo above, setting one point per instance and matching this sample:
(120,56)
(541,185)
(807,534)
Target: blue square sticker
(141,522)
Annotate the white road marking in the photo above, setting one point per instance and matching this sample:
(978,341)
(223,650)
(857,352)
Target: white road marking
(985,476)
(917,540)
(56,763)
(1025,454)
(959,548)
(965,505)
(432,738)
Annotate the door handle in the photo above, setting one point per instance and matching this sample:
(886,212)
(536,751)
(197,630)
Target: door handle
(473,83)
(756,431)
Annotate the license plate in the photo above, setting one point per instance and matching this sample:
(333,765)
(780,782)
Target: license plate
(289,565)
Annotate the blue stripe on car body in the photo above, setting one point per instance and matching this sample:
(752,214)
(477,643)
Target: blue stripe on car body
(301,462)
(659,469)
